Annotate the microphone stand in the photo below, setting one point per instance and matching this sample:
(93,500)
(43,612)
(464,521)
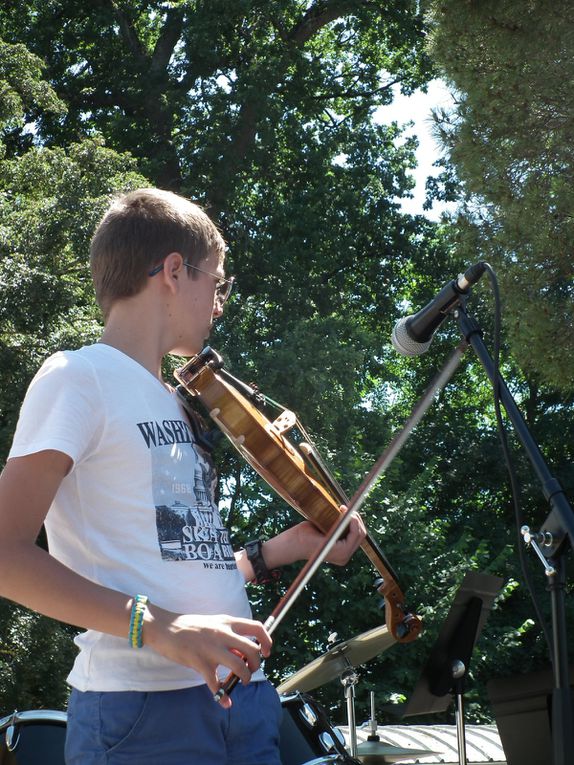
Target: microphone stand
(551,542)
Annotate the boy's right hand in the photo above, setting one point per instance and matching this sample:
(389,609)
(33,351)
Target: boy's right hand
(205,642)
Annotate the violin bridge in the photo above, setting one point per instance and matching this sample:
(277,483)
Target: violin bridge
(285,421)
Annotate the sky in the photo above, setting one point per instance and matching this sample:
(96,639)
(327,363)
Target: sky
(417,109)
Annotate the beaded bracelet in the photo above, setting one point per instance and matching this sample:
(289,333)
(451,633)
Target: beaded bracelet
(136,620)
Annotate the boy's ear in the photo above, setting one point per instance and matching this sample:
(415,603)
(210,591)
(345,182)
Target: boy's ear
(172,267)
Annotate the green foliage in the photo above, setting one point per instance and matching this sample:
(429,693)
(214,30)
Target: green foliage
(199,90)
(264,112)
(22,89)
(50,201)
(35,657)
(510,140)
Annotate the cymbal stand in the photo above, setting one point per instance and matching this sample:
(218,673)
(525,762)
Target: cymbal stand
(373,721)
(458,673)
(349,680)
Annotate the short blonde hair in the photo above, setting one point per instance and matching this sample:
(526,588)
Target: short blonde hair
(138,231)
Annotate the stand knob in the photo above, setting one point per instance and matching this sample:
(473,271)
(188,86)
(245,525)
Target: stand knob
(458,669)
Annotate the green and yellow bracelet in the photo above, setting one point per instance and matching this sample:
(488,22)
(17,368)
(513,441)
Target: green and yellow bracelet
(136,620)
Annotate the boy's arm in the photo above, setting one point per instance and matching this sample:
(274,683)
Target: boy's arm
(300,542)
(32,577)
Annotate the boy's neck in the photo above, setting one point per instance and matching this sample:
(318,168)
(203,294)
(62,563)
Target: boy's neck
(137,336)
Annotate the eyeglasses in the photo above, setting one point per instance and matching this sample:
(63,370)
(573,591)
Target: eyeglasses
(223,285)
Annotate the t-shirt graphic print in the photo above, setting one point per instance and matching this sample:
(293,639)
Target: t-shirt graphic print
(189,526)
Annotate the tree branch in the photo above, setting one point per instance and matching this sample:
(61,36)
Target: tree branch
(129,34)
(168,39)
(319,16)
(98,99)
(314,19)
(353,93)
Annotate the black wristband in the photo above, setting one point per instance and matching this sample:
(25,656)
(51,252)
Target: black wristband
(254,555)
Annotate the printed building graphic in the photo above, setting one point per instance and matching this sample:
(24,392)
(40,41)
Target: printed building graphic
(188,524)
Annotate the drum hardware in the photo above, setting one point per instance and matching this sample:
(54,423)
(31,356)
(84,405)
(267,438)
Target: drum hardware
(331,665)
(306,734)
(327,738)
(310,718)
(373,750)
(339,661)
(12,732)
(349,680)
(373,721)
(33,737)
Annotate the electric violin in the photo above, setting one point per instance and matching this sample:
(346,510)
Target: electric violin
(294,469)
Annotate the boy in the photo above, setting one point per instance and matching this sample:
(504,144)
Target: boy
(105,455)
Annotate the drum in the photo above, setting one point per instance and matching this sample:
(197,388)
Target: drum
(33,738)
(306,735)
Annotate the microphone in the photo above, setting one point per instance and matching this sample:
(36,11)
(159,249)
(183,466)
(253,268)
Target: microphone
(412,335)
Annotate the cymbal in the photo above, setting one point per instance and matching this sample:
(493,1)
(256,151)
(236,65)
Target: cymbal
(374,752)
(348,653)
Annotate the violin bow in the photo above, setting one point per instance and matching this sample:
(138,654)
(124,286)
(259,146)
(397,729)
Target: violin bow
(296,587)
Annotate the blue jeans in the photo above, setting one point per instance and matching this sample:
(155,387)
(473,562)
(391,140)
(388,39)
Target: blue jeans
(183,727)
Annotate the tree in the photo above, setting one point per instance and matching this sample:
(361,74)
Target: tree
(510,144)
(50,198)
(264,111)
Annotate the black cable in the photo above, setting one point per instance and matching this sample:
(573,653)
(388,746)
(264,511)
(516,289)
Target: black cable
(514,485)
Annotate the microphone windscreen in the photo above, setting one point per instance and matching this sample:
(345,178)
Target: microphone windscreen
(404,343)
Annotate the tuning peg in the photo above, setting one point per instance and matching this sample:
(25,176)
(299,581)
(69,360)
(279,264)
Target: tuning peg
(377,584)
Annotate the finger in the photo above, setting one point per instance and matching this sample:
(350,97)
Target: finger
(344,548)
(362,526)
(224,699)
(255,630)
(236,664)
(214,684)
(250,653)
(356,523)
(251,656)
(357,531)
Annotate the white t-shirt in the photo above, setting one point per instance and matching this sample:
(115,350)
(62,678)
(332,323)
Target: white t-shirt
(136,512)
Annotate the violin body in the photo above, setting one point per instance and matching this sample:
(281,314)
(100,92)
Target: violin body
(282,465)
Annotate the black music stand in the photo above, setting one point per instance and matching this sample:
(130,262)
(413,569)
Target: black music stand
(442,678)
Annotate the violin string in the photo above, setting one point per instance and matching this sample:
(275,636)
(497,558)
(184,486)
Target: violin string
(314,461)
